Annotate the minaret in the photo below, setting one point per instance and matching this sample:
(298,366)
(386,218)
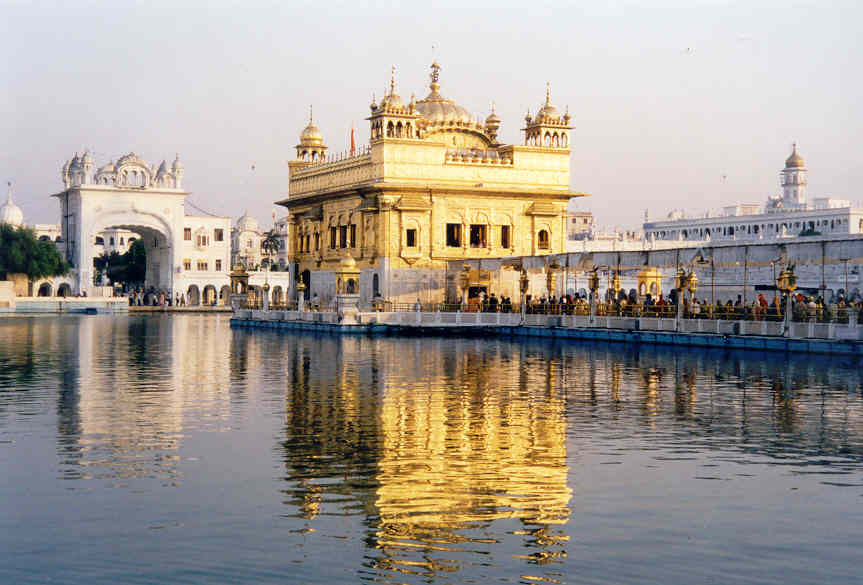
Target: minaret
(794,180)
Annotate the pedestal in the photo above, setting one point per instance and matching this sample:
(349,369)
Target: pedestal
(346,306)
(238,301)
(789,307)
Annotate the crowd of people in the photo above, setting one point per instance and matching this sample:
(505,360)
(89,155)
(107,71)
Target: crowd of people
(155,298)
(804,308)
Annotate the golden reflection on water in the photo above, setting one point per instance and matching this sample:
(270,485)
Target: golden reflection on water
(436,441)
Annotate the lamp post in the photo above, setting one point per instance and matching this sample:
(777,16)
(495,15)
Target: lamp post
(266,299)
(844,261)
(523,284)
(551,278)
(692,287)
(593,285)
(464,283)
(301,295)
(787,282)
(615,283)
(679,285)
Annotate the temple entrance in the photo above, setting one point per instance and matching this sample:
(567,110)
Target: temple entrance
(123,195)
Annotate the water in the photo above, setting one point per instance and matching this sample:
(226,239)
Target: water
(172,449)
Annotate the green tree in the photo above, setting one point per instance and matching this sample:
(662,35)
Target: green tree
(269,246)
(136,262)
(128,269)
(22,253)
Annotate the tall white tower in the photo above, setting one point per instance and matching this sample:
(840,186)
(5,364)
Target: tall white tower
(794,181)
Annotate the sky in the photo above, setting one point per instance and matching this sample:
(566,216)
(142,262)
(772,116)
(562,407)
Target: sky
(677,105)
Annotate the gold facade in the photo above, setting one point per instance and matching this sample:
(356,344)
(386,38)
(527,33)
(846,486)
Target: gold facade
(433,185)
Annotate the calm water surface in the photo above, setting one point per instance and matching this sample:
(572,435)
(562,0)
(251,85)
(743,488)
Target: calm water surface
(172,449)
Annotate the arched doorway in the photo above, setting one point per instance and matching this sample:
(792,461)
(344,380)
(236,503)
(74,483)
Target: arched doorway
(277,296)
(193,295)
(210,295)
(64,290)
(225,295)
(149,258)
(44,290)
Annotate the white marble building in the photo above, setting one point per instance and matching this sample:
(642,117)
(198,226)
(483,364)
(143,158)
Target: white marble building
(107,209)
(788,215)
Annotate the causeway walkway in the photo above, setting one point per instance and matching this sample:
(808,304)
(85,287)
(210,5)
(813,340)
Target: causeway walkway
(809,337)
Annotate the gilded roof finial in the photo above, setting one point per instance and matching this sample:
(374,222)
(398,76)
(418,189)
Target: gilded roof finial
(310,113)
(547,93)
(393,80)
(492,107)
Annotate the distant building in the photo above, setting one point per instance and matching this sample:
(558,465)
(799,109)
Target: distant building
(246,240)
(579,224)
(786,216)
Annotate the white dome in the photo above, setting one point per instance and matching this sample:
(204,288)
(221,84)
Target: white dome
(247,223)
(11,213)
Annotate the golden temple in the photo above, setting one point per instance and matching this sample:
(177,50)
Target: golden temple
(433,185)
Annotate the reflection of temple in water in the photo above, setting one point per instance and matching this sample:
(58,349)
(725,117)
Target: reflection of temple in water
(420,437)
(445,446)
(128,390)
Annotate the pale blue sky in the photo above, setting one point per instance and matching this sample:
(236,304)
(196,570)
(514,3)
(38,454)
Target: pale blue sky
(667,97)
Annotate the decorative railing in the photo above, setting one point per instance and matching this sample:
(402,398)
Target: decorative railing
(800,313)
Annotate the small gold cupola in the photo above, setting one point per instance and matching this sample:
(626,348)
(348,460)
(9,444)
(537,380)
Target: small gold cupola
(547,129)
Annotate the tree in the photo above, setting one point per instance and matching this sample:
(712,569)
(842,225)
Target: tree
(270,245)
(22,253)
(129,269)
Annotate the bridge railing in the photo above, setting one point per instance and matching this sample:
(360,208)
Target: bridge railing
(801,312)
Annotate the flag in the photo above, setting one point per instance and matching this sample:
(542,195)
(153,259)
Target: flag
(353,142)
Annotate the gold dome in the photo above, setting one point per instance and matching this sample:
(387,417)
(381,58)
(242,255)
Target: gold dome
(492,117)
(795,160)
(547,112)
(311,136)
(436,109)
(348,262)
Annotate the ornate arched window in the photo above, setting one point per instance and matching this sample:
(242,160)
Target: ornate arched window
(543,240)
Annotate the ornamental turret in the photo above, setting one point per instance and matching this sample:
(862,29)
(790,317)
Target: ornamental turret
(392,118)
(177,170)
(492,125)
(311,148)
(87,168)
(547,129)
